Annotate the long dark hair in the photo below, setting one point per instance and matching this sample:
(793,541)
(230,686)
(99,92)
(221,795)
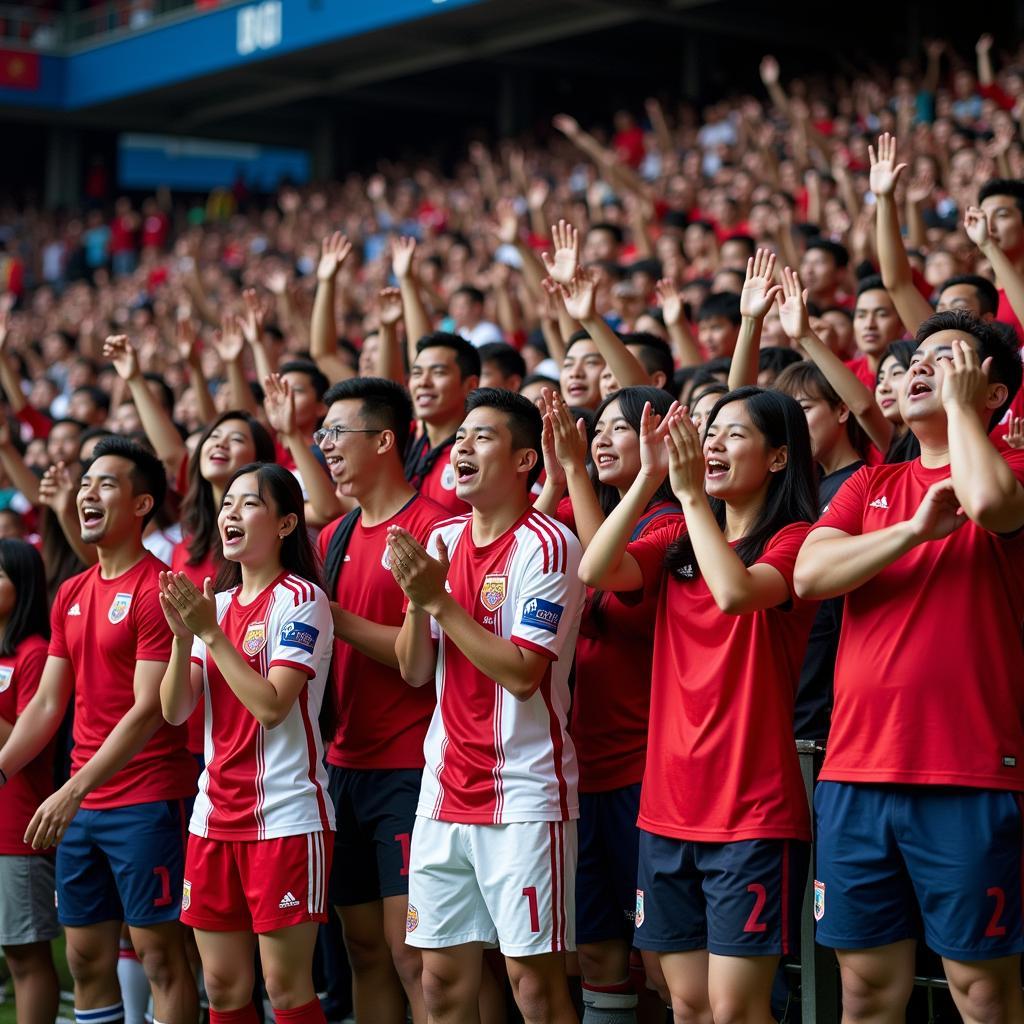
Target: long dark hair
(199,511)
(631,406)
(23,566)
(903,447)
(792,495)
(297,554)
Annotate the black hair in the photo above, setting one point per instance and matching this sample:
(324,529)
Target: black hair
(655,354)
(297,554)
(746,241)
(30,616)
(539,378)
(904,447)
(681,379)
(733,272)
(792,494)
(163,389)
(631,405)
(776,358)
(316,376)
(613,229)
(988,294)
(509,361)
(839,253)
(148,475)
(992,344)
(707,372)
(384,404)
(805,378)
(836,309)
(67,419)
(99,397)
(871,283)
(580,335)
(1014,188)
(198,513)
(524,421)
(473,294)
(725,304)
(467,357)
(700,391)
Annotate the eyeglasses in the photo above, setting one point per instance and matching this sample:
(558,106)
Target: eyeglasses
(335,433)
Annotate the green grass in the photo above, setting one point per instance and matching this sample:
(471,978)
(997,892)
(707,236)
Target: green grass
(61,962)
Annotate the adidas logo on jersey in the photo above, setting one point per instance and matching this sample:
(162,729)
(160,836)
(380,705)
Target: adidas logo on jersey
(879,503)
(74,610)
(287,901)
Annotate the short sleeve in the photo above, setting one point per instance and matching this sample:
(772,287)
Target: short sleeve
(303,635)
(649,552)
(153,636)
(780,553)
(547,603)
(28,672)
(846,509)
(58,642)
(198,655)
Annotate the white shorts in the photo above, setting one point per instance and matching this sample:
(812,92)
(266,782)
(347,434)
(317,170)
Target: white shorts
(512,885)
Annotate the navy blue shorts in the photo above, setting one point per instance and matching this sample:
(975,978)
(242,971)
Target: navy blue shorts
(375,811)
(609,847)
(123,864)
(732,899)
(902,862)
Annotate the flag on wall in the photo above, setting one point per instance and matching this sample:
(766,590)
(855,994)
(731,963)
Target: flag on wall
(19,69)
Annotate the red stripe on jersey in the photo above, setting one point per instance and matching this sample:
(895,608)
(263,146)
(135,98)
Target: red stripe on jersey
(499,755)
(305,590)
(288,585)
(556,744)
(529,645)
(304,669)
(558,545)
(554,888)
(544,543)
(785,898)
(307,729)
(561,879)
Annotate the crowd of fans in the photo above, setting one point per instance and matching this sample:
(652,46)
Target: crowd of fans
(794,240)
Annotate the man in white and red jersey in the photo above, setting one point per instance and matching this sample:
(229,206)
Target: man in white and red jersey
(919,801)
(493,620)
(120,818)
(375,755)
(446,369)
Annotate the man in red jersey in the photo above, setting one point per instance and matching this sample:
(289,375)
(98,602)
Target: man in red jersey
(375,755)
(120,818)
(444,372)
(918,808)
(493,622)
(1002,202)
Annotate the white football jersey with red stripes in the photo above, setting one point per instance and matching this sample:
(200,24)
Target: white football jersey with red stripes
(266,783)
(490,758)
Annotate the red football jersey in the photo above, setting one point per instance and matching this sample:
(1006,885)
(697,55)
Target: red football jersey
(439,482)
(721,761)
(863,372)
(380,720)
(19,679)
(1006,315)
(611,702)
(104,627)
(929,683)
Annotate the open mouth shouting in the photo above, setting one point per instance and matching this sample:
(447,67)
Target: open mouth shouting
(465,471)
(91,516)
(233,536)
(715,469)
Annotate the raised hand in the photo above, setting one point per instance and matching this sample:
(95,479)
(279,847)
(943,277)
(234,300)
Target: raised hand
(389,306)
(185,341)
(984,44)
(653,451)
(401,257)
(976,225)
(420,576)
(579,295)
(171,613)
(229,341)
(57,488)
(670,301)
(279,404)
(685,457)
(255,315)
(759,292)
(1015,432)
(568,438)
(920,189)
(120,351)
(334,251)
(196,608)
(885,172)
(566,241)
(769,70)
(567,125)
(793,306)
(537,194)
(505,226)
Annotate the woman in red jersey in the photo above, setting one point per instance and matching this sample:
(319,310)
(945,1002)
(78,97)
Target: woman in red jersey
(609,720)
(724,820)
(262,827)
(28,918)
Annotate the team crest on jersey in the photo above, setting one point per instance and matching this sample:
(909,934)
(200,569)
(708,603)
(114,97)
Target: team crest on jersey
(819,900)
(255,638)
(412,919)
(639,916)
(5,677)
(119,608)
(186,894)
(448,477)
(494,591)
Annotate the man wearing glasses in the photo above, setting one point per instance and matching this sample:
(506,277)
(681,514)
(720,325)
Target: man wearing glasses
(375,753)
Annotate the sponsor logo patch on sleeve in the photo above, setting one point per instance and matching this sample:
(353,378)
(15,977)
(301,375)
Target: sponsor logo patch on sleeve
(300,635)
(542,614)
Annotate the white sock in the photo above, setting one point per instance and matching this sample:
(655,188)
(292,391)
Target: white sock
(134,987)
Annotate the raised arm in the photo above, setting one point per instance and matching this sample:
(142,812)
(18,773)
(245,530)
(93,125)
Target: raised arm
(756,298)
(976,226)
(188,349)
(390,364)
(684,345)
(323,330)
(229,343)
(417,322)
(57,491)
(912,306)
(14,465)
(854,394)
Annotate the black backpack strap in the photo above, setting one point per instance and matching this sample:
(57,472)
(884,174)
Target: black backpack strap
(335,556)
(664,510)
